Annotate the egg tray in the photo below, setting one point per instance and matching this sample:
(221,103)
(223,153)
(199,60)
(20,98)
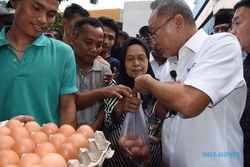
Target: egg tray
(93,156)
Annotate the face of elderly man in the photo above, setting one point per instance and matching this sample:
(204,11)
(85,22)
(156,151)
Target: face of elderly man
(168,32)
(241,27)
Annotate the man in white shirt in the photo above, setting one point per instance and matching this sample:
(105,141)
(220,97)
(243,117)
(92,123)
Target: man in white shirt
(241,28)
(210,96)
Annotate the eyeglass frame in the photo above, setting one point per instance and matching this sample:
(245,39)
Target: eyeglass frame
(152,34)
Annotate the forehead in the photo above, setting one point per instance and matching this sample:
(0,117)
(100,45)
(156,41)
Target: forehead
(135,48)
(155,20)
(49,5)
(242,12)
(88,31)
(108,30)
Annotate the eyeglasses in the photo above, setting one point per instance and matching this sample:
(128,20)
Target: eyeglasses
(152,34)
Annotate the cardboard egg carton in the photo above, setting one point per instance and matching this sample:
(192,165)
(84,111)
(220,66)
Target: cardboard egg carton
(95,154)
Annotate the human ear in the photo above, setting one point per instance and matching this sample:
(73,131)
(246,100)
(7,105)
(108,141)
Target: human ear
(179,21)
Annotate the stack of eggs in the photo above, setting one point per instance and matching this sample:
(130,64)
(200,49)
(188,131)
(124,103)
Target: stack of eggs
(26,145)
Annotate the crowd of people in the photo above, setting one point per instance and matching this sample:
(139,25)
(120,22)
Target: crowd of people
(192,87)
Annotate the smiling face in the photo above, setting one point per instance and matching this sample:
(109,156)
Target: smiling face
(109,39)
(241,27)
(33,17)
(136,61)
(87,43)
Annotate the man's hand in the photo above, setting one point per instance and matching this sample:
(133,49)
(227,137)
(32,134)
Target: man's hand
(24,118)
(130,104)
(141,83)
(118,91)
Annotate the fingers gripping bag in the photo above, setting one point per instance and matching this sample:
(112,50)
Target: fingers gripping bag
(134,138)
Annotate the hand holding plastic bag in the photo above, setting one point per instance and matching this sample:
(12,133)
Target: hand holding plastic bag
(134,139)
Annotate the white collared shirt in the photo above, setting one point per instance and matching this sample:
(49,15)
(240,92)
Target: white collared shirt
(162,72)
(214,138)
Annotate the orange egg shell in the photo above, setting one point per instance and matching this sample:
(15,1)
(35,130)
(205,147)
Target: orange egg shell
(121,141)
(128,144)
(135,151)
(39,137)
(87,131)
(32,126)
(57,139)
(50,128)
(79,140)
(44,148)
(10,166)
(130,136)
(53,160)
(139,142)
(8,157)
(4,131)
(23,145)
(14,123)
(6,142)
(67,130)
(28,160)
(19,132)
(145,152)
(68,151)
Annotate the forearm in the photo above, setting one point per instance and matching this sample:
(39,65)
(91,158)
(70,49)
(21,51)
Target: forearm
(68,116)
(186,100)
(99,120)
(68,110)
(86,99)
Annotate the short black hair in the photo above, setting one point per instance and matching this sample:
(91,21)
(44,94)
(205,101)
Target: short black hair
(106,21)
(242,3)
(123,34)
(73,9)
(87,20)
(58,32)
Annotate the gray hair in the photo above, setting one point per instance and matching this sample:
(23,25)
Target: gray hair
(172,8)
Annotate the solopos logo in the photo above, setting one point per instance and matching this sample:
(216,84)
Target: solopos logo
(217,154)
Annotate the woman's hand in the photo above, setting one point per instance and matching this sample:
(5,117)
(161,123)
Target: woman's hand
(128,104)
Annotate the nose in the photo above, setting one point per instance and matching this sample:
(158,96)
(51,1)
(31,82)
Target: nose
(42,18)
(105,40)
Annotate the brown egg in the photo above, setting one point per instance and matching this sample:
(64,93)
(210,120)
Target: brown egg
(4,131)
(8,157)
(135,151)
(14,123)
(53,160)
(6,142)
(23,145)
(139,142)
(29,160)
(32,126)
(121,141)
(45,148)
(145,152)
(57,139)
(10,166)
(50,128)
(39,137)
(68,151)
(128,143)
(19,132)
(67,130)
(87,131)
(79,140)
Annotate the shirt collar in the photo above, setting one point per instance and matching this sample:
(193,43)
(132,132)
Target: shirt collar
(40,41)
(195,43)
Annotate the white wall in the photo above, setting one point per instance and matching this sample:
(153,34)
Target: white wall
(135,15)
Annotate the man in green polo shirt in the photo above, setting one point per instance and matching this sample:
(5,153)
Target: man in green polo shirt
(37,73)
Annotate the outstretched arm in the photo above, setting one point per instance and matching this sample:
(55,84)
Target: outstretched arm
(84,100)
